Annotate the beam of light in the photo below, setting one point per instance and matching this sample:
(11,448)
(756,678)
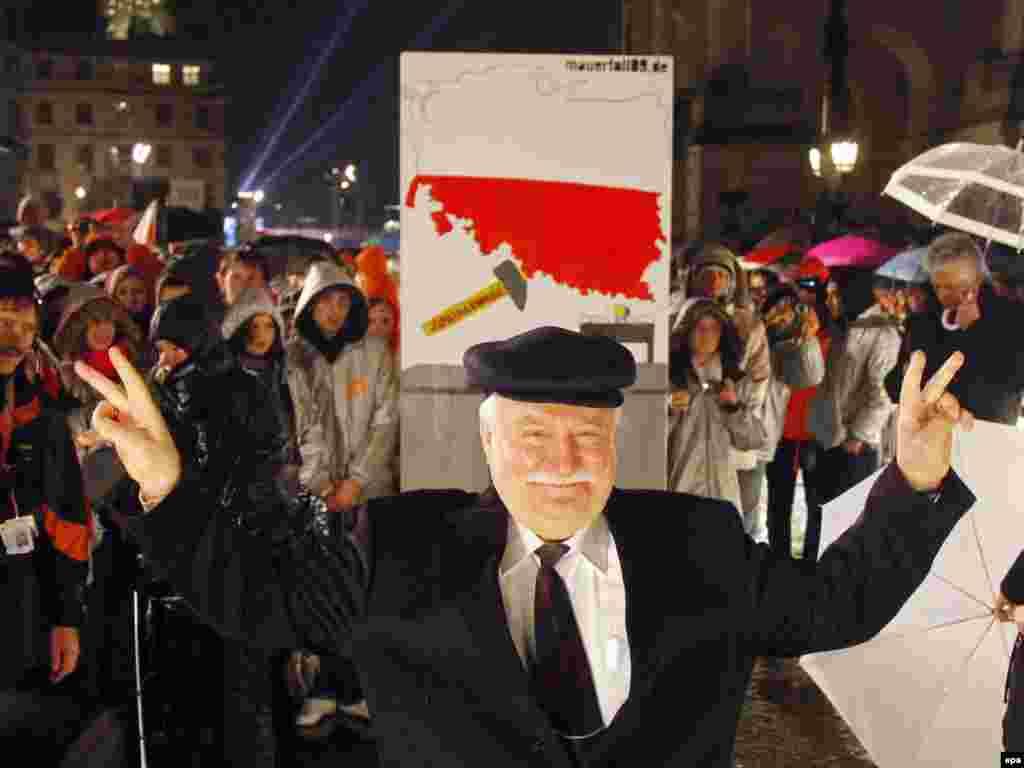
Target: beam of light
(367,88)
(341,29)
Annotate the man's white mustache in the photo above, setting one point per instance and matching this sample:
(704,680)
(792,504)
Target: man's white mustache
(550,479)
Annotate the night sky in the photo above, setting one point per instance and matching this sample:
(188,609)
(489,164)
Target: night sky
(266,55)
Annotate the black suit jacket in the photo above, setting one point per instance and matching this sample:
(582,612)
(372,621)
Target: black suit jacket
(411,591)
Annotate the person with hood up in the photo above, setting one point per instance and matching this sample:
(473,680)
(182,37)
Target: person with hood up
(712,407)
(91,323)
(46,535)
(716,273)
(344,388)
(255,334)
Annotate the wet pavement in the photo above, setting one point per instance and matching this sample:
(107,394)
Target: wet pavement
(787,721)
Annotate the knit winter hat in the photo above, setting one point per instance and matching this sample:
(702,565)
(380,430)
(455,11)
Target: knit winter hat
(184,322)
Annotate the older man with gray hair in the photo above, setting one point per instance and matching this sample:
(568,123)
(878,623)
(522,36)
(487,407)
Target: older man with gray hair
(553,619)
(966,314)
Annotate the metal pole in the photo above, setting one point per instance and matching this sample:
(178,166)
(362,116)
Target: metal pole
(137,652)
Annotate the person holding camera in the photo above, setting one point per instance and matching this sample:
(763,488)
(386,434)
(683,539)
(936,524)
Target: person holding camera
(712,406)
(797,364)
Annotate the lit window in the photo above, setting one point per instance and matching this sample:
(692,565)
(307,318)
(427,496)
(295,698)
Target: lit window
(162,74)
(190,74)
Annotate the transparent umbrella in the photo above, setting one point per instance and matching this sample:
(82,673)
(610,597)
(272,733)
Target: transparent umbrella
(976,188)
(906,266)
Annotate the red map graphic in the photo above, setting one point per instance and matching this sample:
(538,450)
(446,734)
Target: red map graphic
(591,238)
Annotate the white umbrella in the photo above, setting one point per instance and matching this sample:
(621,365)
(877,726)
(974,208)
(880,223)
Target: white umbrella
(928,690)
(145,230)
(976,188)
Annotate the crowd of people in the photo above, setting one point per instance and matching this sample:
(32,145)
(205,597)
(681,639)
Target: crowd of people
(286,385)
(781,373)
(238,353)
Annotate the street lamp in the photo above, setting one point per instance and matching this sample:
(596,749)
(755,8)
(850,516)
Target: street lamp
(837,143)
(844,155)
(80,193)
(141,152)
(350,173)
(815,157)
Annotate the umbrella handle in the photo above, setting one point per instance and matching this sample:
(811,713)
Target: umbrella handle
(950,324)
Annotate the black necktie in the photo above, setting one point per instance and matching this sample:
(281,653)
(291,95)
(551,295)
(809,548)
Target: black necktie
(561,672)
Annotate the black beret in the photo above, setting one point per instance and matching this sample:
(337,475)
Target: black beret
(553,365)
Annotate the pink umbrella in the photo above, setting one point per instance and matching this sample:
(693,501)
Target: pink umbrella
(852,251)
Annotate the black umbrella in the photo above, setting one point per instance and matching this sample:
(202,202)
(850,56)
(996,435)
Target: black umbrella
(176,224)
(292,254)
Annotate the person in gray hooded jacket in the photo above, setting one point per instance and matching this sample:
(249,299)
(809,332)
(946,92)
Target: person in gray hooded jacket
(345,392)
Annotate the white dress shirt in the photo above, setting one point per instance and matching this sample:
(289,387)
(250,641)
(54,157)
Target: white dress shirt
(593,577)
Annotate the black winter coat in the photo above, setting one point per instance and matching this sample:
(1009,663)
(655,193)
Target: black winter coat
(45,588)
(409,587)
(228,429)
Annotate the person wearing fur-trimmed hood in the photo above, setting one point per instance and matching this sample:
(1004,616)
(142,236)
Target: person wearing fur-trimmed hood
(91,324)
(713,406)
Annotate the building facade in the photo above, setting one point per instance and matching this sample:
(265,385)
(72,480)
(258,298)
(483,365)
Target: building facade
(12,149)
(749,84)
(119,122)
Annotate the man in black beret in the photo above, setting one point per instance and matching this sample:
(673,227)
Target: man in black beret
(553,620)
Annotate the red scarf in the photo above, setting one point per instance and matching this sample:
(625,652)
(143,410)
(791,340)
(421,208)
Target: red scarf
(100,361)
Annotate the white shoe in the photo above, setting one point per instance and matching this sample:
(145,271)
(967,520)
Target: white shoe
(314,710)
